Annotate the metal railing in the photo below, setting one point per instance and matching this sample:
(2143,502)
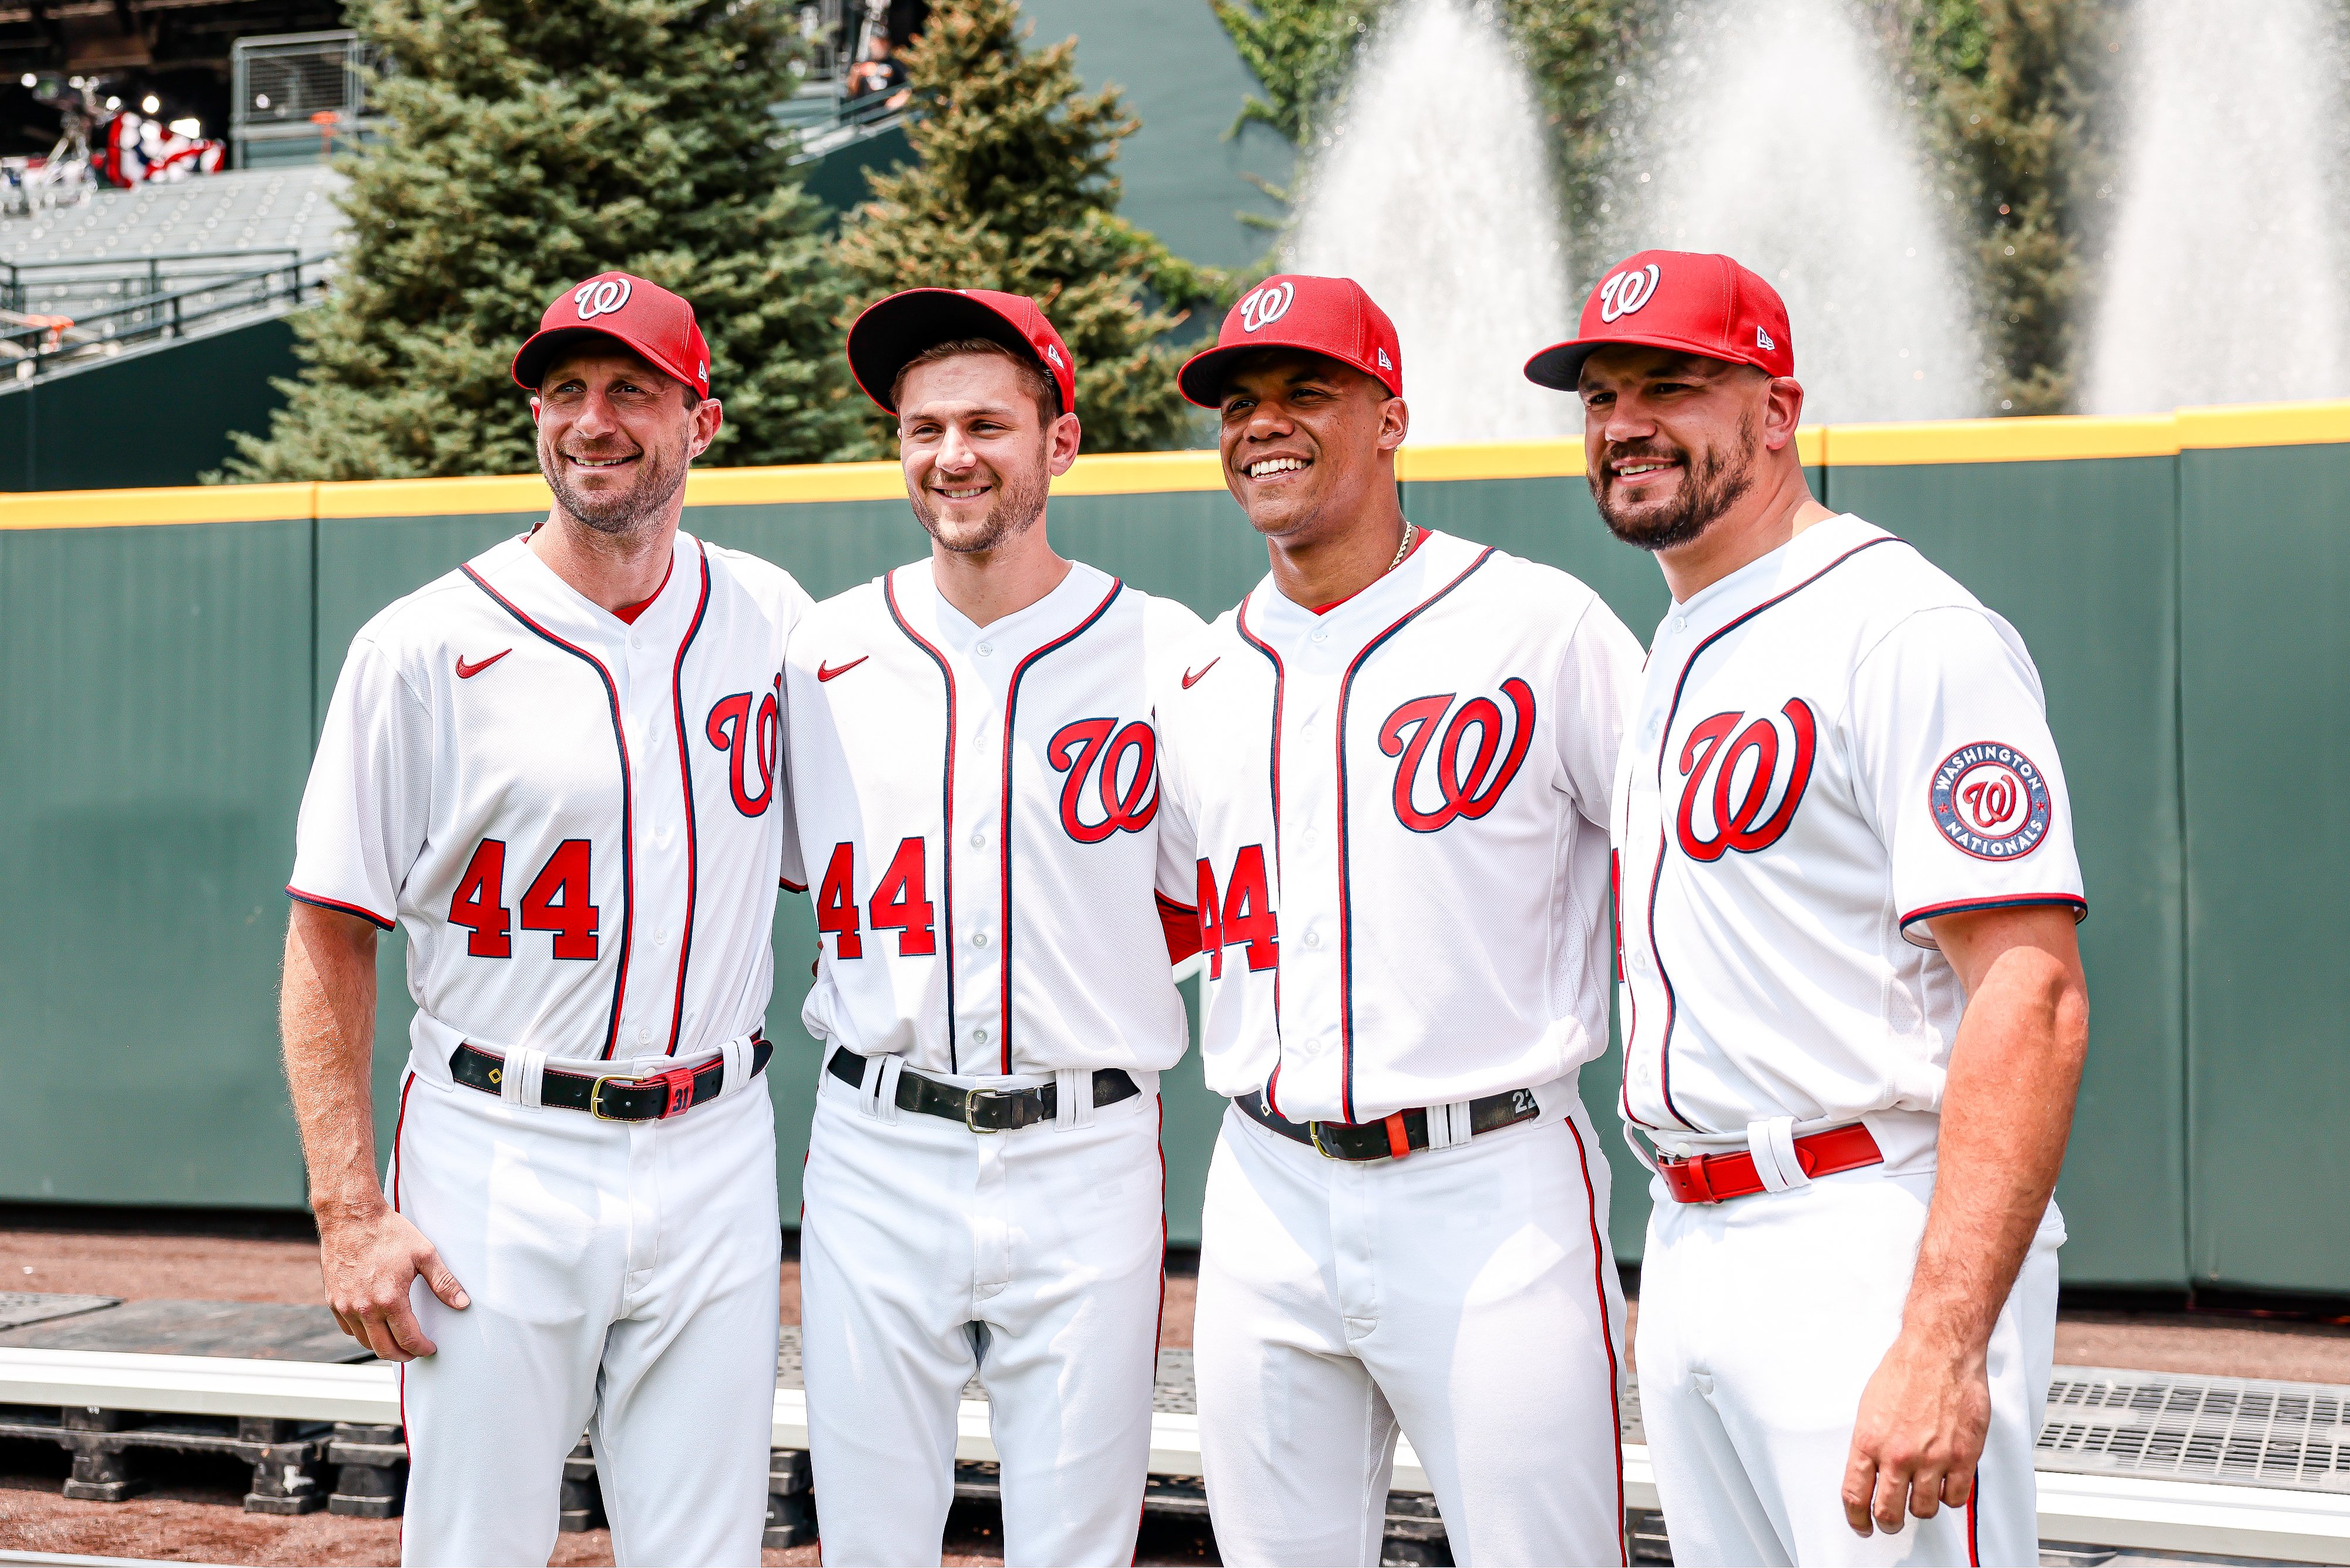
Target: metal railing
(297,87)
(166,306)
(86,284)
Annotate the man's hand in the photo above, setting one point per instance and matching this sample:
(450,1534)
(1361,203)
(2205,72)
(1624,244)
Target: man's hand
(368,1264)
(2007,1107)
(1919,1437)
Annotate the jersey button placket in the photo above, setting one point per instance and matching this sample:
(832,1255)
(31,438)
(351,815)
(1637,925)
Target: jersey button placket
(975,842)
(1307,887)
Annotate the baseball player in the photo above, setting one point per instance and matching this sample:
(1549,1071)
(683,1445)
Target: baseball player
(1852,1006)
(556,768)
(973,763)
(1386,776)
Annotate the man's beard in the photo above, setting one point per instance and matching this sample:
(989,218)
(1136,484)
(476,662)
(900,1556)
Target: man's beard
(1709,488)
(616,511)
(1018,503)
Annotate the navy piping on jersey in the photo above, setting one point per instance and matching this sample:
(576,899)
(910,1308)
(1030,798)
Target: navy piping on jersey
(1664,744)
(628,802)
(337,904)
(1280,678)
(685,780)
(946,808)
(1011,726)
(2073,901)
(1346,903)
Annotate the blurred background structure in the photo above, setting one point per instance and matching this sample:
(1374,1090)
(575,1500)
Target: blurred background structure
(274,245)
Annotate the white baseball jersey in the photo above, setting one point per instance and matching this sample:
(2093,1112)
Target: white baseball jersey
(1832,745)
(573,818)
(1390,817)
(978,813)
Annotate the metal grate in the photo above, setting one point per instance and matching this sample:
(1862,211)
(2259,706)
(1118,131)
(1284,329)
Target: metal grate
(2242,1430)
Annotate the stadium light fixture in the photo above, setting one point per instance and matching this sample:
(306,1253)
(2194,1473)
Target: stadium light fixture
(151,103)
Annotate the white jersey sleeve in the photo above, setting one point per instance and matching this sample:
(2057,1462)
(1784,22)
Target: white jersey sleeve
(1596,685)
(1954,760)
(367,806)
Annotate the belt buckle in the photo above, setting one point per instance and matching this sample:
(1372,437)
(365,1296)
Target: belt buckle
(595,1096)
(970,1100)
(1313,1137)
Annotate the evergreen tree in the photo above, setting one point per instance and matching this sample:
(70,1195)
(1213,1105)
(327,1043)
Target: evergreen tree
(533,144)
(2008,90)
(1300,51)
(1013,192)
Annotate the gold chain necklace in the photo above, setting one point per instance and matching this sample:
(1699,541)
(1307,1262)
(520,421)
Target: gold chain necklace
(1401,550)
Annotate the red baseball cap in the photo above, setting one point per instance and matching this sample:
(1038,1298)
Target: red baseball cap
(1329,316)
(888,335)
(1705,305)
(646,317)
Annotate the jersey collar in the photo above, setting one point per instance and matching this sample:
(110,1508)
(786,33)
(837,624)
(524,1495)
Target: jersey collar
(1009,637)
(516,571)
(1435,561)
(1792,562)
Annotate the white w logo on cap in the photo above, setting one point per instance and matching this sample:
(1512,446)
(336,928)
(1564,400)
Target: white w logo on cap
(600,297)
(1266,305)
(1627,292)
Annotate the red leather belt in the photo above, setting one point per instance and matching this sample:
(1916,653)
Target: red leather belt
(1715,1178)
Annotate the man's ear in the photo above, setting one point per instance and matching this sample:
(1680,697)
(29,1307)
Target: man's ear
(533,408)
(1068,435)
(1395,423)
(1782,410)
(708,415)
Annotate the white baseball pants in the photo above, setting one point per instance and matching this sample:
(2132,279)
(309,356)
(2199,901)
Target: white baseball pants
(1762,1320)
(623,1280)
(1464,1295)
(929,1253)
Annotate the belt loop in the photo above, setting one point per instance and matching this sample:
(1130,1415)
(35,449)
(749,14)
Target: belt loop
(520,1076)
(1772,1144)
(1073,1098)
(882,1076)
(737,1055)
(1448,1124)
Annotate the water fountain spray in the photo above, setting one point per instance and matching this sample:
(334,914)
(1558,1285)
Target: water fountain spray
(1771,132)
(2224,280)
(1432,189)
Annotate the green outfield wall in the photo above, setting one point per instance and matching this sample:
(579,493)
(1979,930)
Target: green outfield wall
(2183,581)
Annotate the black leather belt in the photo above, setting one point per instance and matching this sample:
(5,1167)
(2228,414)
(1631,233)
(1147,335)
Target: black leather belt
(610,1097)
(984,1110)
(1391,1138)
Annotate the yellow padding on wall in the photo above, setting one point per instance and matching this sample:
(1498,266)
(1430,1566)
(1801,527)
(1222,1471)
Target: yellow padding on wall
(2264,424)
(147,508)
(2048,440)
(2032,440)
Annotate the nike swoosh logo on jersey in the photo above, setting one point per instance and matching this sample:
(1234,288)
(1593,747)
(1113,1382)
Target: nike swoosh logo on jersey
(1193,677)
(467,672)
(825,671)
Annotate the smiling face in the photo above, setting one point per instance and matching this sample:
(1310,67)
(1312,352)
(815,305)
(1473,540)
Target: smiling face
(1308,443)
(1671,441)
(616,436)
(978,454)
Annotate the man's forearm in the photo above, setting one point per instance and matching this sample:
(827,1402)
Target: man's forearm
(2007,1110)
(326,1015)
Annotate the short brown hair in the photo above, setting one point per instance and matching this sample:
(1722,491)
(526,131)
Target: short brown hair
(1043,388)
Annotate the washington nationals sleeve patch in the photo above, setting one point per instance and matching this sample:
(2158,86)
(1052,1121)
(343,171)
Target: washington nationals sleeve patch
(1990,801)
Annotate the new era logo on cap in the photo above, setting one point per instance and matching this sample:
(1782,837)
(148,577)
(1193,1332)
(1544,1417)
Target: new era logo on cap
(1680,301)
(1327,316)
(644,318)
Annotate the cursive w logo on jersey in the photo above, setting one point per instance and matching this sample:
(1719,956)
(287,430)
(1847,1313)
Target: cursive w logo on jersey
(1735,778)
(745,741)
(1464,787)
(1124,762)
